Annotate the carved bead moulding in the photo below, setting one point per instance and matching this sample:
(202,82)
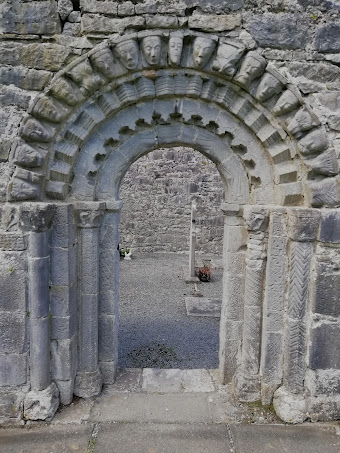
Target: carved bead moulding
(159,65)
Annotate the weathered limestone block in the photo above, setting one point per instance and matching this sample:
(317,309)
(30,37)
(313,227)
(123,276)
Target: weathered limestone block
(65,7)
(27,79)
(159,21)
(12,289)
(326,296)
(323,382)
(100,24)
(12,332)
(214,23)
(282,31)
(228,55)
(36,217)
(37,17)
(88,384)
(11,404)
(330,227)
(252,67)
(13,369)
(108,7)
(41,405)
(290,407)
(324,350)
(327,38)
(303,224)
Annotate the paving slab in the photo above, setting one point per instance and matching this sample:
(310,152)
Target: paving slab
(203,306)
(46,439)
(171,381)
(284,439)
(160,438)
(127,380)
(151,407)
(76,412)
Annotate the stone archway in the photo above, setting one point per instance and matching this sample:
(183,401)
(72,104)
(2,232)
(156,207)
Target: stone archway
(139,92)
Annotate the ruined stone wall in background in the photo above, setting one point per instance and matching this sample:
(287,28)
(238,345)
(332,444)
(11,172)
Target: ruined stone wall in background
(157,193)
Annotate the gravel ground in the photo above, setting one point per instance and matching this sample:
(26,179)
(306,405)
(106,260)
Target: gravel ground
(155,331)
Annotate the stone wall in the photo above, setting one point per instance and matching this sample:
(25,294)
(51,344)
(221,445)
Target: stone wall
(157,193)
(41,264)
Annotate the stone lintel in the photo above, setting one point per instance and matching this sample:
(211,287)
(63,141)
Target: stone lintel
(36,217)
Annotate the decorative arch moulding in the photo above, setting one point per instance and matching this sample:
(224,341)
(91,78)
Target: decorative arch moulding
(217,75)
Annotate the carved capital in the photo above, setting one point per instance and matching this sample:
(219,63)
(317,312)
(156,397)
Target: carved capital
(303,224)
(36,217)
(89,214)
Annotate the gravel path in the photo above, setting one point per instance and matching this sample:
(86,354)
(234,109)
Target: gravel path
(155,331)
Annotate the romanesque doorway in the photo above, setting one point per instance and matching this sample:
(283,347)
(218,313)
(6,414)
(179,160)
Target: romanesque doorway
(156,329)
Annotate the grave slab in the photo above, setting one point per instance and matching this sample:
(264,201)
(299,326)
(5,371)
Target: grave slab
(203,306)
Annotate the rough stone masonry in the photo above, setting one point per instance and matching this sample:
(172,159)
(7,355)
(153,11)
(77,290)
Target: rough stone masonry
(87,88)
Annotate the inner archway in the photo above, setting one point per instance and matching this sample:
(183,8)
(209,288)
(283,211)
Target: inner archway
(155,328)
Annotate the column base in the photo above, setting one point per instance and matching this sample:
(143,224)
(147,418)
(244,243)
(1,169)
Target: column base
(88,383)
(41,404)
(290,407)
(189,279)
(248,387)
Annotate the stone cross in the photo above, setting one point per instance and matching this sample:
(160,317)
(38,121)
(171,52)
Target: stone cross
(191,277)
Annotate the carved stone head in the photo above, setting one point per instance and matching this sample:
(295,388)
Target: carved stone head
(314,142)
(175,49)
(203,49)
(151,47)
(271,83)
(287,102)
(103,62)
(252,67)
(34,130)
(127,52)
(64,90)
(227,57)
(304,120)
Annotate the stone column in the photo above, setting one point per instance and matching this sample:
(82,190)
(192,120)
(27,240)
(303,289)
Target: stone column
(42,401)
(274,305)
(290,401)
(235,240)
(248,379)
(88,379)
(109,292)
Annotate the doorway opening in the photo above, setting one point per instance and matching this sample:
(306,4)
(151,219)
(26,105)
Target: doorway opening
(155,329)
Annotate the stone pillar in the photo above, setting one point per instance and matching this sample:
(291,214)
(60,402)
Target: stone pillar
(108,292)
(303,225)
(88,379)
(42,401)
(235,240)
(274,306)
(248,378)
